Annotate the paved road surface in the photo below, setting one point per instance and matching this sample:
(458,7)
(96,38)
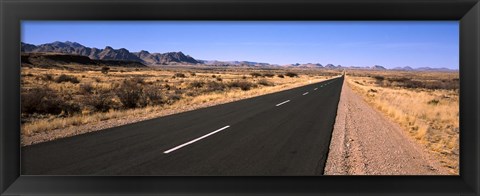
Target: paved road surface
(285,133)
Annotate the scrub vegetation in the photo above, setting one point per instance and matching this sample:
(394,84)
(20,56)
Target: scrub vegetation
(75,96)
(425,104)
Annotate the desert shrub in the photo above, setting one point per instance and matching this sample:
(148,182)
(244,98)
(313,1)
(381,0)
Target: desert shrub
(179,75)
(67,78)
(154,95)
(173,98)
(379,78)
(426,84)
(433,102)
(244,85)
(191,93)
(219,79)
(255,74)
(442,84)
(71,108)
(166,86)
(138,80)
(244,77)
(281,76)
(131,94)
(86,88)
(265,82)
(411,84)
(105,69)
(214,86)
(400,80)
(291,74)
(269,75)
(193,74)
(214,76)
(100,102)
(197,84)
(179,91)
(41,100)
(47,77)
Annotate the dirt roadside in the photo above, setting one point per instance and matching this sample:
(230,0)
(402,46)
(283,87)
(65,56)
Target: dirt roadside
(364,142)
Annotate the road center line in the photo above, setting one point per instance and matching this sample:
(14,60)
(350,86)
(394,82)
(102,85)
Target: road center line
(305,93)
(195,140)
(282,103)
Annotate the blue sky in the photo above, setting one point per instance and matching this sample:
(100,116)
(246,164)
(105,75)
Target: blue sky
(355,43)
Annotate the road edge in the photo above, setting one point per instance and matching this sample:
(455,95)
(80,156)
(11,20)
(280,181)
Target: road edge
(336,162)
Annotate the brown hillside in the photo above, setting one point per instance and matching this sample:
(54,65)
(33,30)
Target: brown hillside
(52,60)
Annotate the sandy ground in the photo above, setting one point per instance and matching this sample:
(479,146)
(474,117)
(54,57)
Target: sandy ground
(364,142)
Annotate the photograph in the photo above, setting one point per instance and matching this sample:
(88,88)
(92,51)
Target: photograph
(239,98)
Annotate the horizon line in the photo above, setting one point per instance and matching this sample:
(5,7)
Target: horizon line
(253,61)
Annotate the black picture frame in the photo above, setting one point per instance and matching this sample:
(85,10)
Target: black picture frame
(12,12)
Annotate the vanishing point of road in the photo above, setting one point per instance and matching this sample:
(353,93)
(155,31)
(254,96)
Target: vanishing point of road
(283,133)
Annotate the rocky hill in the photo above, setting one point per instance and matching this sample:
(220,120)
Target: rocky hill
(49,60)
(378,67)
(108,53)
(164,58)
(234,63)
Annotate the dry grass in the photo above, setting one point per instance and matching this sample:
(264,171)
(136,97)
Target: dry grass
(102,97)
(431,116)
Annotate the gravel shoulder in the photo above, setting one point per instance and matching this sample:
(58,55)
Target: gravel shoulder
(364,142)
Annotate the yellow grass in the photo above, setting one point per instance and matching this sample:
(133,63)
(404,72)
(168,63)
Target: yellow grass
(431,116)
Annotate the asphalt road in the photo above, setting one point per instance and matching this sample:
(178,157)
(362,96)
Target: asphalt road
(285,133)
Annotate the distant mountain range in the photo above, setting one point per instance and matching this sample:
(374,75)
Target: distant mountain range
(58,60)
(233,63)
(156,59)
(108,53)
